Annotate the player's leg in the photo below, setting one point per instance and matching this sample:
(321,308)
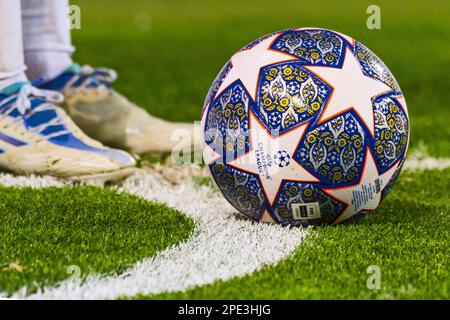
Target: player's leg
(47,44)
(12,65)
(36,136)
(99,110)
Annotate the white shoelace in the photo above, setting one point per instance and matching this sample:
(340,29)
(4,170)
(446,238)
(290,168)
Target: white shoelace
(100,74)
(23,106)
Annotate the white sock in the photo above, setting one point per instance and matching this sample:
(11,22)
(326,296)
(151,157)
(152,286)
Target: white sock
(46,34)
(46,64)
(12,65)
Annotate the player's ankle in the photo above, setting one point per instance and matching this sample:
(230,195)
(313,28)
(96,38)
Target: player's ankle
(47,65)
(7,80)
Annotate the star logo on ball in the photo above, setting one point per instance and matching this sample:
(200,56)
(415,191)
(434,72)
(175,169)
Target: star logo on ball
(282,158)
(258,159)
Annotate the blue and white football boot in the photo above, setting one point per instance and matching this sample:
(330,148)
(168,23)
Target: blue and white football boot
(110,118)
(38,137)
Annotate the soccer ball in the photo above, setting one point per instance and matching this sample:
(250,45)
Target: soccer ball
(304,127)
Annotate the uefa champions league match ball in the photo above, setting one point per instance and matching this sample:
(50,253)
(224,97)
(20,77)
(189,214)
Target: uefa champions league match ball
(304,127)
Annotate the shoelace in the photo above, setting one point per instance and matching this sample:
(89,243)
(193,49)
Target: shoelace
(23,106)
(102,77)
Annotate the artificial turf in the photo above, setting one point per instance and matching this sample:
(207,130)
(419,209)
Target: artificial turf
(43,232)
(407,238)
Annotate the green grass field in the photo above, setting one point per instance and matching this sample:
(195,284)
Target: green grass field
(407,238)
(167,54)
(46,231)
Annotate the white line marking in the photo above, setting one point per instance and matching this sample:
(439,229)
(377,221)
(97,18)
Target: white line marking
(222,247)
(417,162)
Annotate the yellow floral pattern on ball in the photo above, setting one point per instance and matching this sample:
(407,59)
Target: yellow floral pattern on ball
(289,96)
(391,131)
(335,149)
(229,114)
(374,67)
(318,47)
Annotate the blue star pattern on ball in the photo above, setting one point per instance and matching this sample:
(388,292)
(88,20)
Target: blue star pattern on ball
(334,150)
(289,95)
(303,127)
(229,114)
(315,47)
